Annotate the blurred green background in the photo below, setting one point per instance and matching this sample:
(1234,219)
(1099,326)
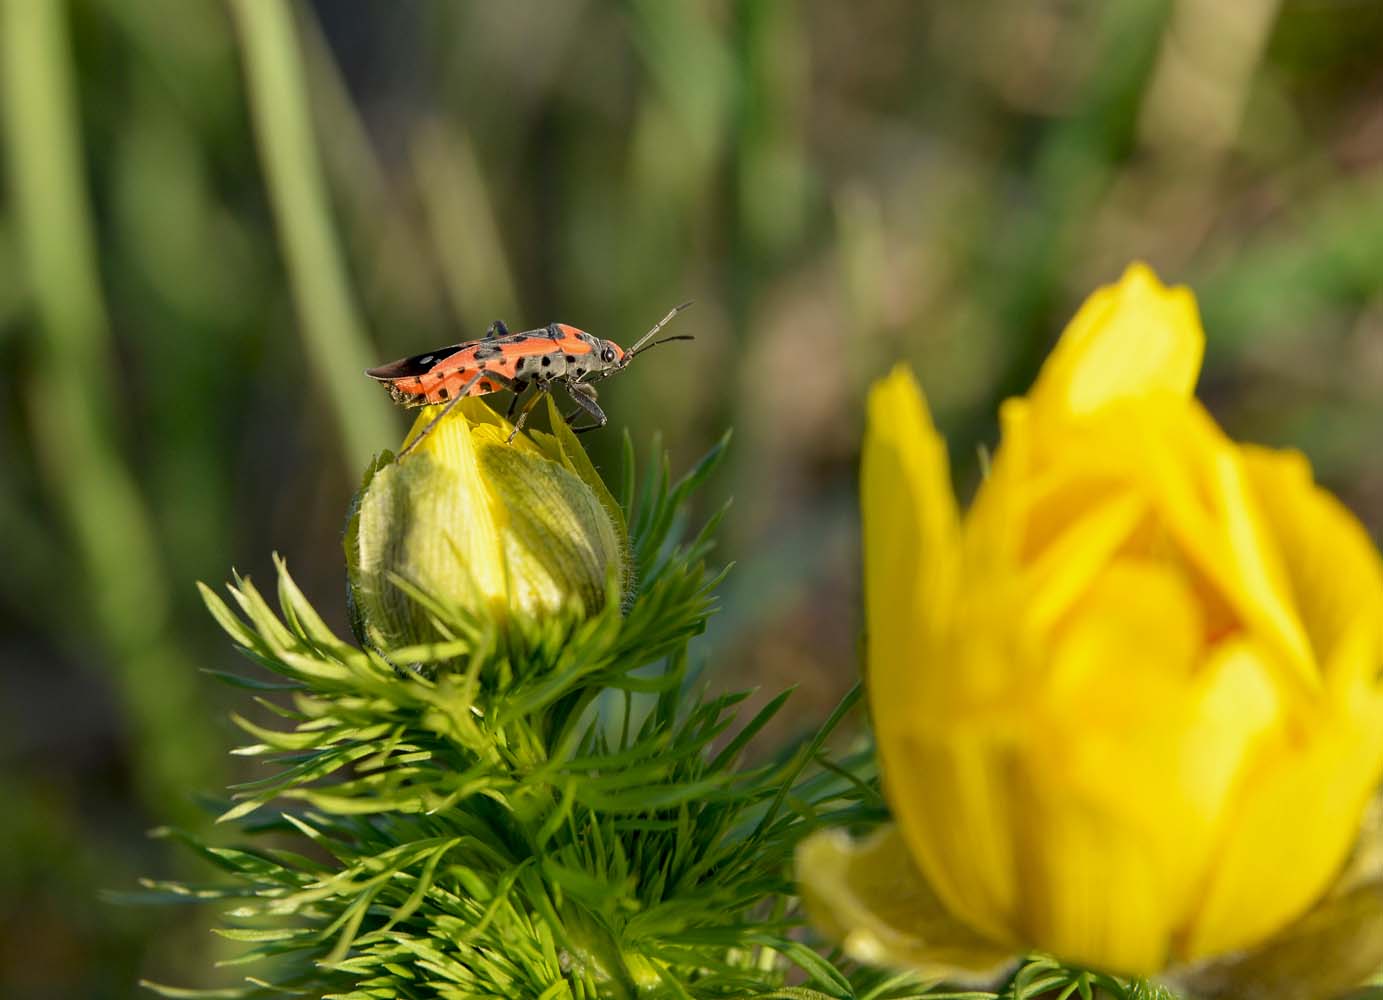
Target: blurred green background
(215,214)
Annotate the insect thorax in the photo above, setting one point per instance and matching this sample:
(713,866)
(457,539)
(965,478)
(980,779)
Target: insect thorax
(573,357)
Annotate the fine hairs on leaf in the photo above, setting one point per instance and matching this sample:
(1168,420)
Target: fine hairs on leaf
(531,809)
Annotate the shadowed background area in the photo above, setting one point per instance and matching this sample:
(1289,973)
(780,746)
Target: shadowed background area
(216,214)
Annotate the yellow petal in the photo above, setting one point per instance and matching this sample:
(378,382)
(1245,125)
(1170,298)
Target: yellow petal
(1130,339)
(910,522)
(1289,834)
(1301,808)
(1063,572)
(1172,452)
(1331,564)
(1259,578)
(910,561)
(1332,949)
(1127,769)
(870,897)
(1337,945)
(1091,887)
(910,528)
(994,524)
(950,788)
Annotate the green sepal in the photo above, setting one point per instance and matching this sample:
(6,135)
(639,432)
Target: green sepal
(350,536)
(1334,948)
(869,896)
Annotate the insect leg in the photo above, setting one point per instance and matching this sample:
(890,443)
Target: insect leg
(518,389)
(542,391)
(460,395)
(572,389)
(445,410)
(497,329)
(584,397)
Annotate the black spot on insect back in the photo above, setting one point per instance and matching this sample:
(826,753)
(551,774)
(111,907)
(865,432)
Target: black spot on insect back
(570,359)
(547,360)
(518,365)
(443,392)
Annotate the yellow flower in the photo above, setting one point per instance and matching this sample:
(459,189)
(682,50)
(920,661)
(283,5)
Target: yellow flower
(1128,706)
(483,525)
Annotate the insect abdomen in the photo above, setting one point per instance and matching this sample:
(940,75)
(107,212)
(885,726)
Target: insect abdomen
(443,387)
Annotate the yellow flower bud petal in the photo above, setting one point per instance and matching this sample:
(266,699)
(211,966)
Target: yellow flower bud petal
(482,524)
(557,538)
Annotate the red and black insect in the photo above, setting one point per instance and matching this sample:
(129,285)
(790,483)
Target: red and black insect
(558,354)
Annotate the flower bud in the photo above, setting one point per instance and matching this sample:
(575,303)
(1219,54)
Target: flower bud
(483,525)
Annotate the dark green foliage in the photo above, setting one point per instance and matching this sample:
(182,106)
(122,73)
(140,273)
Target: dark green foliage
(527,809)
(1041,977)
(1038,977)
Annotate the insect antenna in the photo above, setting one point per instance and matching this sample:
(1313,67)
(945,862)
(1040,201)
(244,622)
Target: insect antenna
(643,342)
(649,347)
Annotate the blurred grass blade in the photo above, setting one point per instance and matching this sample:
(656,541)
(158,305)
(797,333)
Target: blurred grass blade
(464,228)
(11,289)
(773,57)
(1077,162)
(71,406)
(337,349)
(395,277)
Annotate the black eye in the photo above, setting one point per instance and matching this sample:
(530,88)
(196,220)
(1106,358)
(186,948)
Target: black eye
(607,355)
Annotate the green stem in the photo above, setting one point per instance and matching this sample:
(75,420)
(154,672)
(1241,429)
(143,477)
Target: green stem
(336,345)
(71,402)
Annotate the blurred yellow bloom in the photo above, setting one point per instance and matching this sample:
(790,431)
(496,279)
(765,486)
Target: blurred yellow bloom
(481,524)
(1128,706)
